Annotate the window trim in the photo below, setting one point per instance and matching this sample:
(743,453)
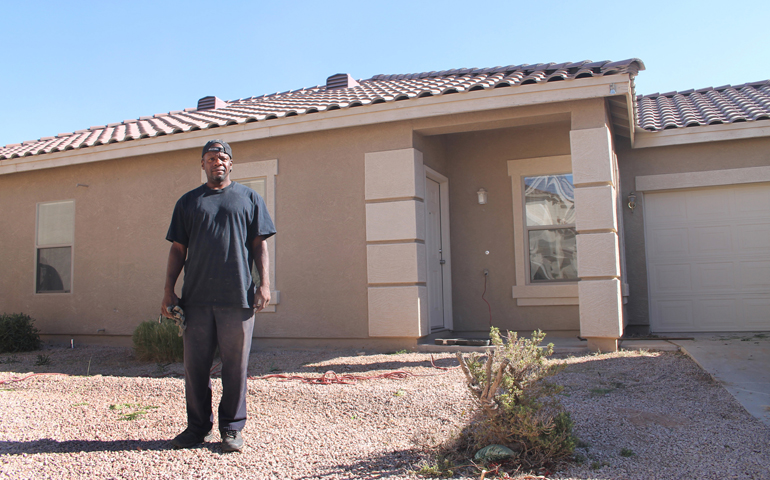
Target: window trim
(539,293)
(58,245)
(267,169)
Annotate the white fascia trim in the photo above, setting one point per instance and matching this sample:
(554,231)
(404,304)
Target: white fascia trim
(522,95)
(708,178)
(702,134)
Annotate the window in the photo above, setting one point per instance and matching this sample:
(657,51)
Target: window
(53,244)
(549,207)
(260,177)
(258,185)
(544,231)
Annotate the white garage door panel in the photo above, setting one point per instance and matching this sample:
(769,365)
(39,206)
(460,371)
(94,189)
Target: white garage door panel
(715,277)
(708,258)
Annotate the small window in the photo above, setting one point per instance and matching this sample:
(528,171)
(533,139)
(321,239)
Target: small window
(55,236)
(549,203)
(258,185)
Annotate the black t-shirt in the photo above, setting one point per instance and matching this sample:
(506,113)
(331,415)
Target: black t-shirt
(218,227)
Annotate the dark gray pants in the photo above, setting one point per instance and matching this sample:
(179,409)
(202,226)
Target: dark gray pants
(230,328)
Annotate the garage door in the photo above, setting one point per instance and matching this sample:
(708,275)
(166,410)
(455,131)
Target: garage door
(708,258)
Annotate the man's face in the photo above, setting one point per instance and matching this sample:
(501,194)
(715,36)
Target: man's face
(217,166)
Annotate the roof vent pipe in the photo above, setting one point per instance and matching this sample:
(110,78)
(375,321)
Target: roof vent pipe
(211,103)
(340,80)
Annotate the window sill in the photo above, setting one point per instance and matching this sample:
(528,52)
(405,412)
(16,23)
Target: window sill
(546,294)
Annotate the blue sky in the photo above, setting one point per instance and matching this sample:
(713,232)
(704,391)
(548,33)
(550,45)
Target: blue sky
(72,65)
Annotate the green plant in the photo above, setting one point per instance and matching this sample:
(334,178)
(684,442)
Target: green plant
(399,352)
(399,393)
(601,391)
(516,407)
(43,360)
(18,334)
(441,467)
(10,360)
(627,452)
(158,342)
(131,411)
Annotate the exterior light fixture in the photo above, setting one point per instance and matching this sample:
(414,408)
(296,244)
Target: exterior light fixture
(632,201)
(612,89)
(482,196)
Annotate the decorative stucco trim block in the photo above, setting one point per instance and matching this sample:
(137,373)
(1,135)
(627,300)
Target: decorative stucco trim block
(542,290)
(389,221)
(598,255)
(543,294)
(601,308)
(398,311)
(595,209)
(599,344)
(708,178)
(397,263)
(394,174)
(591,152)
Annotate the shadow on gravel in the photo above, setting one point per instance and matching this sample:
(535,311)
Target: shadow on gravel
(47,445)
(386,465)
(387,365)
(90,360)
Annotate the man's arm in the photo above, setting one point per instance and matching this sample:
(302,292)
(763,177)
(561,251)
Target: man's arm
(176,258)
(262,264)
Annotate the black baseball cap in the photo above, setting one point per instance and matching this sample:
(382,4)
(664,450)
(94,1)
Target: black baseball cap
(210,147)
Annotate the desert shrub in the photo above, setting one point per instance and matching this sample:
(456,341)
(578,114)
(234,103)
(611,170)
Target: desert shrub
(158,342)
(516,407)
(18,334)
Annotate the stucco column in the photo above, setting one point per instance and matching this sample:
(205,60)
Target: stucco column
(599,289)
(395,244)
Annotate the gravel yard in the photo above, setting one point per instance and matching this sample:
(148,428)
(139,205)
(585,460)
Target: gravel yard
(638,416)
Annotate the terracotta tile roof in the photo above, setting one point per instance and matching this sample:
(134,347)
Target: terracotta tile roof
(305,101)
(707,106)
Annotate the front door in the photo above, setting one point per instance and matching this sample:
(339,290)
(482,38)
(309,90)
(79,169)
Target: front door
(436,262)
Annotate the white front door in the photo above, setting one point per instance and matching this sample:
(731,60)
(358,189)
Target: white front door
(708,258)
(433,243)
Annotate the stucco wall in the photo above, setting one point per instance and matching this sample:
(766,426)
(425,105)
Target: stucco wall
(662,160)
(122,216)
(479,159)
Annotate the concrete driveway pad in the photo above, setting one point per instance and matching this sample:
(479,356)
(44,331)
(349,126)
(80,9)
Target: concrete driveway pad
(740,362)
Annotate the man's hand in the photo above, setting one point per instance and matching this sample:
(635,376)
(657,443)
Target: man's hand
(261,262)
(169,300)
(176,258)
(262,298)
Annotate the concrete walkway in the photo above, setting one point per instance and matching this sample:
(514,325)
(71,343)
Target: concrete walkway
(740,362)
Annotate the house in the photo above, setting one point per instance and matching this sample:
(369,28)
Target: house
(403,203)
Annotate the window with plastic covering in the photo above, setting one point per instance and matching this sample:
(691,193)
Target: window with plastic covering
(549,205)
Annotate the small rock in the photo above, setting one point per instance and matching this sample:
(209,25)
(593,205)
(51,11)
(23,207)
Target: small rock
(494,453)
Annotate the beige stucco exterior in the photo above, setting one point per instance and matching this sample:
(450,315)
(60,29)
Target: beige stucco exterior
(709,161)
(347,192)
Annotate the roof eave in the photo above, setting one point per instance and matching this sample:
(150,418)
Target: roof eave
(702,133)
(522,95)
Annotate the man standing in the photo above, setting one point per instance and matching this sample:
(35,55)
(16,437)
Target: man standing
(218,231)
